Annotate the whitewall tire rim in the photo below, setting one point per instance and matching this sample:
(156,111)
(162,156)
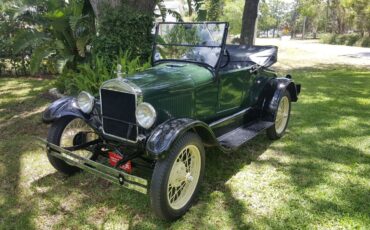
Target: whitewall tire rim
(71,130)
(282,115)
(183,177)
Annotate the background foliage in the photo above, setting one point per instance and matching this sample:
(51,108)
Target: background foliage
(123,28)
(89,76)
(55,30)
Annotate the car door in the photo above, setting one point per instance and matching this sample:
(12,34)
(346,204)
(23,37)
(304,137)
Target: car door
(234,87)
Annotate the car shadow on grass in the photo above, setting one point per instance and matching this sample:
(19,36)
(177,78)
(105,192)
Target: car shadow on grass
(133,209)
(16,142)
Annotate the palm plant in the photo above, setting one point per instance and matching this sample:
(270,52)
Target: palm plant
(57,30)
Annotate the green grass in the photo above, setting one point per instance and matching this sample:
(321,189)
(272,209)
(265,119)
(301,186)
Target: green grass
(317,176)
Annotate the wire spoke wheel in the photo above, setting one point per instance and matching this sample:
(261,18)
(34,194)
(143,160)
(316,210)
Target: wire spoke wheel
(75,133)
(282,115)
(184,176)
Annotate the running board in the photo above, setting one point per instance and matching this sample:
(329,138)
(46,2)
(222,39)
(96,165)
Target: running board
(111,174)
(239,136)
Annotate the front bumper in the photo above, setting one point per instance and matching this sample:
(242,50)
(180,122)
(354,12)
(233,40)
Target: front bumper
(111,174)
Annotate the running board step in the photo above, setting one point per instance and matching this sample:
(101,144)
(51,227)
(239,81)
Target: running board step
(239,136)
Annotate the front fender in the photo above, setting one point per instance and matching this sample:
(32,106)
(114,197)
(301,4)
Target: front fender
(65,106)
(163,136)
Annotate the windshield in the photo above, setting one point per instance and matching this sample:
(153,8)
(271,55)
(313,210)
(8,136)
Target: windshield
(195,42)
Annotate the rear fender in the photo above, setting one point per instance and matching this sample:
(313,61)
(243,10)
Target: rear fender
(163,136)
(65,106)
(280,85)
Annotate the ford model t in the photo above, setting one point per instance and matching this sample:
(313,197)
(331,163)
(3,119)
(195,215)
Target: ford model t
(199,93)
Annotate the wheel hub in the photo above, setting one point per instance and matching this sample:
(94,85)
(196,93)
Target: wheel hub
(179,173)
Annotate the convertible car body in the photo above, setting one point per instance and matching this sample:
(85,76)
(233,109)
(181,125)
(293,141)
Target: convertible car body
(150,131)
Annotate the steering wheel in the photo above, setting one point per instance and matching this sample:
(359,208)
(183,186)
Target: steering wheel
(228,59)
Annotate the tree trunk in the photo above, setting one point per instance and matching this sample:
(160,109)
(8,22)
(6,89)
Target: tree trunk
(304,27)
(247,34)
(190,7)
(140,5)
(327,15)
(294,19)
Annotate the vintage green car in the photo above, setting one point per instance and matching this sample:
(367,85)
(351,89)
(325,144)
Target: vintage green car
(150,131)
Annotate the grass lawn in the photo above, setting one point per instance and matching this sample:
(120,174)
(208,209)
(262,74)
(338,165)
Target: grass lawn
(317,176)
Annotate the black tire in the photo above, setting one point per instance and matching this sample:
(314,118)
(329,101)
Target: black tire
(160,178)
(272,132)
(54,136)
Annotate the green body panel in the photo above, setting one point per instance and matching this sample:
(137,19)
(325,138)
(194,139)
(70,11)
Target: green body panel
(185,90)
(258,83)
(178,90)
(234,89)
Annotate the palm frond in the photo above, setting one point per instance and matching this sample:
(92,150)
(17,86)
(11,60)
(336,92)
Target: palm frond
(28,38)
(38,56)
(61,63)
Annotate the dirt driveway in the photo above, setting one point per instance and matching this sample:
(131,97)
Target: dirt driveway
(309,53)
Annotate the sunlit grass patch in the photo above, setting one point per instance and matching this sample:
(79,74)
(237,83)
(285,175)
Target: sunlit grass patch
(317,176)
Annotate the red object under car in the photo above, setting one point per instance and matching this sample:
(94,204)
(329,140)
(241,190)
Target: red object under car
(114,158)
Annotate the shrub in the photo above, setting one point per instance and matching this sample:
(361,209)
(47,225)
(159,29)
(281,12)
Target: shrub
(364,42)
(328,38)
(123,28)
(89,76)
(340,39)
(352,39)
(346,39)
(132,65)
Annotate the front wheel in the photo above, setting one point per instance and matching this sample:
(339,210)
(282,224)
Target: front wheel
(67,132)
(176,179)
(282,117)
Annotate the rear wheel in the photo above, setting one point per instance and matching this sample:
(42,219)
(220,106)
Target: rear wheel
(67,132)
(176,179)
(282,117)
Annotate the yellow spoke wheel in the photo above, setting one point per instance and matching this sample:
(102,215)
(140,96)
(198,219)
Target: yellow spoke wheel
(176,179)
(184,176)
(282,117)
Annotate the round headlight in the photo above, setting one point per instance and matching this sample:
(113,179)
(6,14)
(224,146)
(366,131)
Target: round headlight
(145,115)
(85,102)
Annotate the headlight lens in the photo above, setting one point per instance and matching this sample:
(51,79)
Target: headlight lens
(85,102)
(145,115)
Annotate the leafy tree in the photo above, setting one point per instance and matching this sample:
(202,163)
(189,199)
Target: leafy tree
(359,11)
(266,21)
(278,11)
(214,8)
(232,13)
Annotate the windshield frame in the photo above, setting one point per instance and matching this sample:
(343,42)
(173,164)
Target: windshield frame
(208,66)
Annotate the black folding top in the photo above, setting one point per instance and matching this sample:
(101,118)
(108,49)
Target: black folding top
(261,55)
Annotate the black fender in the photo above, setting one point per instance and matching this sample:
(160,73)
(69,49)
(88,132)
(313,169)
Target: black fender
(278,86)
(164,135)
(62,107)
